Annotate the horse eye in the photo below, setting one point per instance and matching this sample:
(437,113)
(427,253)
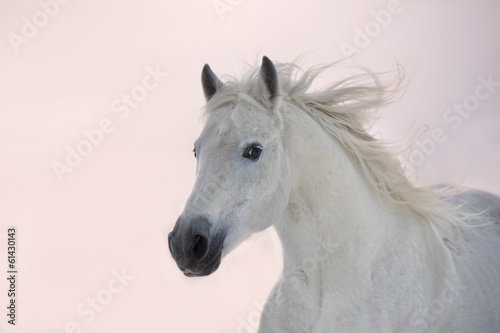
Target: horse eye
(252,152)
(194,152)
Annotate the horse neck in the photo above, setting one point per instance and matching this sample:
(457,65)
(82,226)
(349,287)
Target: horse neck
(334,219)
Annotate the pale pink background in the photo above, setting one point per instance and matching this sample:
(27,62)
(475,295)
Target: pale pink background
(111,212)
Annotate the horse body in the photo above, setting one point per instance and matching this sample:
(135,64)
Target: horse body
(364,250)
(476,256)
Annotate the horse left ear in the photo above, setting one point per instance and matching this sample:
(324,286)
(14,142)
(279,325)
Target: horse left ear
(210,82)
(269,76)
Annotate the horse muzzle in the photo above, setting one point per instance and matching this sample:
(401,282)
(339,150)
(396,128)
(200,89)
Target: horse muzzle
(194,249)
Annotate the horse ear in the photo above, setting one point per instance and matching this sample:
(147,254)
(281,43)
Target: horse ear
(210,82)
(269,76)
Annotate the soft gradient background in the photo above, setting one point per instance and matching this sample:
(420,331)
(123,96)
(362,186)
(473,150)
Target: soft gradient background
(111,212)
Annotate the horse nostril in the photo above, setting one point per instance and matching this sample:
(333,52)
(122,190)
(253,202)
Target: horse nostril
(170,236)
(199,249)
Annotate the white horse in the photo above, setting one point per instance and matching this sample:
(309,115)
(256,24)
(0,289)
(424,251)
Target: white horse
(364,249)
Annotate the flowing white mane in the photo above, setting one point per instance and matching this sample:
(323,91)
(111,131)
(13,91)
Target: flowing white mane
(346,109)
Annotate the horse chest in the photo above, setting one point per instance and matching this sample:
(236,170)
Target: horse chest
(294,305)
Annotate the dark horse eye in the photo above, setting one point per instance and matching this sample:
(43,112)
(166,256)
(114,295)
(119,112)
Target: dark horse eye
(194,152)
(252,152)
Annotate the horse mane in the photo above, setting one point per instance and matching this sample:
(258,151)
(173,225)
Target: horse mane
(346,109)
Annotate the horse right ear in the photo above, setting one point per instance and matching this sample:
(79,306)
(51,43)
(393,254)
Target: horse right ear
(269,76)
(210,82)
